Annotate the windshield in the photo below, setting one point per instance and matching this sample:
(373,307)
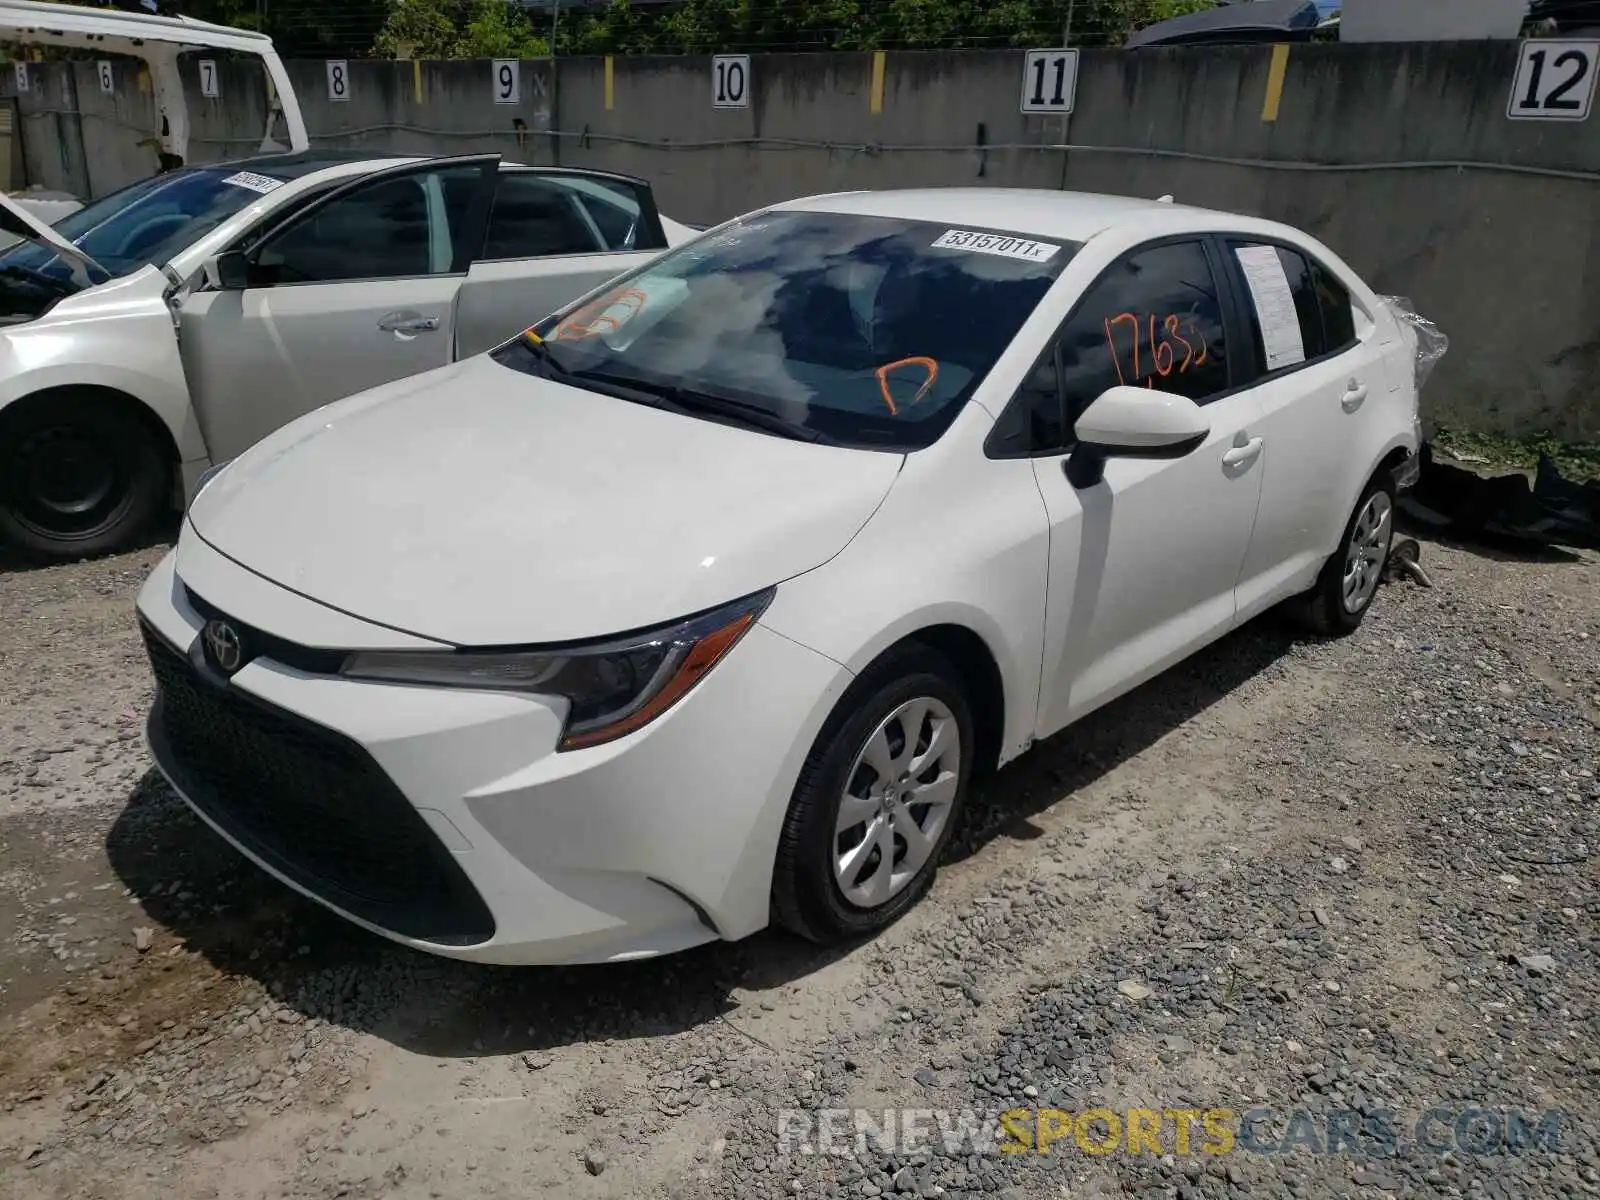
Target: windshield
(868,331)
(148,223)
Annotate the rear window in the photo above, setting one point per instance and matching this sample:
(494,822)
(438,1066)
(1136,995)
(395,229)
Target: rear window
(870,331)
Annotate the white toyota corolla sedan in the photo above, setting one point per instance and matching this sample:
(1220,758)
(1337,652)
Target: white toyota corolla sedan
(699,604)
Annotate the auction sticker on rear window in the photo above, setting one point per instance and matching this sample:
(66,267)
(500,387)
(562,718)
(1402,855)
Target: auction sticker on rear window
(256,183)
(996,243)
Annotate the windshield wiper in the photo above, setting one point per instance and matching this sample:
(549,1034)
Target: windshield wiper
(671,397)
(693,401)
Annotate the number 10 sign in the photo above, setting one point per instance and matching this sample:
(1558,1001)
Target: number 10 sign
(1049,81)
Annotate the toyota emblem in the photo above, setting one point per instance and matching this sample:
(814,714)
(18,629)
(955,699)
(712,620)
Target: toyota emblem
(223,646)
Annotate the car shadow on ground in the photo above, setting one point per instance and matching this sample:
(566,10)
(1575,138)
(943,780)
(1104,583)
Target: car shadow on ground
(162,533)
(245,923)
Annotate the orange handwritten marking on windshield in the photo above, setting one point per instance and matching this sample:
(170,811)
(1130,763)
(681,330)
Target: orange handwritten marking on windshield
(1163,354)
(585,323)
(916,360)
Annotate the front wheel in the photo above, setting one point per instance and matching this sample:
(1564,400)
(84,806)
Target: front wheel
(80,475)
(876,800)
(1349,580)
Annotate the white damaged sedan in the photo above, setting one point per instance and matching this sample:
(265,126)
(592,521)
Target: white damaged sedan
(699,605)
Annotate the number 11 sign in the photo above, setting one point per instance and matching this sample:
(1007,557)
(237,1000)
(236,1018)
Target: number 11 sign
(1049,81)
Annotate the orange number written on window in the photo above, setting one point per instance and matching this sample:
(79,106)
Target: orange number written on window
(1156,346)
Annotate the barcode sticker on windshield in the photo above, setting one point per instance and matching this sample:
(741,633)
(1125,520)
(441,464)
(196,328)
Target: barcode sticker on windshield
(996,243)
(256,183)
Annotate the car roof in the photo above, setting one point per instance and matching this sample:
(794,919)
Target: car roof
(306,162)
(1036,212)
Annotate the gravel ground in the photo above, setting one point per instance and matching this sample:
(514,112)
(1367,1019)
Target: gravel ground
(1352,877)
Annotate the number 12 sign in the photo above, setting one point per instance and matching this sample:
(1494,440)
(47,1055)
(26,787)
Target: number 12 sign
(1049,81)
(1555,80)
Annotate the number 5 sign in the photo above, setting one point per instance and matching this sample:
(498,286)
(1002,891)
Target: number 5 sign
(1049,81)
(1555,80)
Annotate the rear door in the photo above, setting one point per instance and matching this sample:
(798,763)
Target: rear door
(1317,363)
(355,290)
(552,236)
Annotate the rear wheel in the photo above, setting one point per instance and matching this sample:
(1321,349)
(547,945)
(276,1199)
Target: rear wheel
(876,800)
(1349,579)
(80,475)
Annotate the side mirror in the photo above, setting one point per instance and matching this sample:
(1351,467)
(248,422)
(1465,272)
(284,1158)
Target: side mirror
(1134,422)
(228,272)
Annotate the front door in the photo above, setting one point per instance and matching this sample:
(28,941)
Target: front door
(357,290)
(1143,563)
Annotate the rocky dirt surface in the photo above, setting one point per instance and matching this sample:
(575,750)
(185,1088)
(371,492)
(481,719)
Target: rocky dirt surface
(1351,877)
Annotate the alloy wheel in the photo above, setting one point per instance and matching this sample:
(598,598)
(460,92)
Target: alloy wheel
(898,796)
(1367,549)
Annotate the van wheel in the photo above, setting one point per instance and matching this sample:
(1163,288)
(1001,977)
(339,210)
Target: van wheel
(1349,580)
(80,475)
(876,800)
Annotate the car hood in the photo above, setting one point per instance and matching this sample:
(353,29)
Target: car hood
(481,506)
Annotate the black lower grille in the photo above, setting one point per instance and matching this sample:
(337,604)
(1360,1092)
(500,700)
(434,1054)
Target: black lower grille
(309,802)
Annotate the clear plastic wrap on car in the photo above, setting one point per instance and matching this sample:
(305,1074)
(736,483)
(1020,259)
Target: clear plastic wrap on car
(1431,341)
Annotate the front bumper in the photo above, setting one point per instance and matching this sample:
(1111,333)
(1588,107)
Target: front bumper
(444,819)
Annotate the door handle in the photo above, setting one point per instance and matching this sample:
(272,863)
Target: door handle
(407,323)
(1354,394)
(1243,453)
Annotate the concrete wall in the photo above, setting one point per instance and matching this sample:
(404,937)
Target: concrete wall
(1399,156)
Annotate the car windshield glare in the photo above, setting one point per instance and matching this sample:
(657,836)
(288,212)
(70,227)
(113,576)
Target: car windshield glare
(147,223)
(863,330)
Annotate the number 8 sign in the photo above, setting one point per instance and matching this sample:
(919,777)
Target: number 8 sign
(507,81)
(338,79)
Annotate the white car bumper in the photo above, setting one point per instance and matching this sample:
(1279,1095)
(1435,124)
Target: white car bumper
(445,819)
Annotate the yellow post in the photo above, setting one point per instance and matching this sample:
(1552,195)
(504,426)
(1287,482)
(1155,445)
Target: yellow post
(1275,74)
(879,60)
(611,83)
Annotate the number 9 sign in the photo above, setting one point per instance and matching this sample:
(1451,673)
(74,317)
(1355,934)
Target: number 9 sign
(507,80)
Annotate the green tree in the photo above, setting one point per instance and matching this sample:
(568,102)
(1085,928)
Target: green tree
(459,28)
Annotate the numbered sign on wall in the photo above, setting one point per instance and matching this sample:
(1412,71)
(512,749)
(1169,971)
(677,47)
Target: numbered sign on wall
(208,79)
(108,78)
(507,81)
(1555,80)
(21,71)
(338,79)
(1049,81)
(730,81)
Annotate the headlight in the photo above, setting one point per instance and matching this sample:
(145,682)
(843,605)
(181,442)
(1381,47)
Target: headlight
(612,688)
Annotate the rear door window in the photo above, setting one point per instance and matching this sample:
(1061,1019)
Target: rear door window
(1296,310)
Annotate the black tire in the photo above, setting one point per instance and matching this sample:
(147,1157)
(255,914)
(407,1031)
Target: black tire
(806,897)
(80,475)
(1323,609)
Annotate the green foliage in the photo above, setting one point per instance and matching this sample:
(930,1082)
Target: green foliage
(458,29)
(1577,460)
(708,26)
